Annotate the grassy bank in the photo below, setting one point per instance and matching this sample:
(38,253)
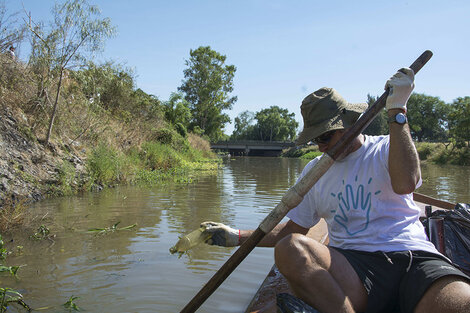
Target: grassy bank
(151,163)
(304,152)
(443,153)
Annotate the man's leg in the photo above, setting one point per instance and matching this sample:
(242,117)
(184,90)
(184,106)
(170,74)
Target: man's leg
(319,275)
(449,294)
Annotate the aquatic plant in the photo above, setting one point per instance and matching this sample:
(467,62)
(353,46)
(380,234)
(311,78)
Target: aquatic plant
(43,232)
(11,269)
(70,305)
(110,229)
(8,295)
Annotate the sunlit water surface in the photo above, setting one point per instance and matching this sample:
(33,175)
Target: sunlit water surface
(133,271)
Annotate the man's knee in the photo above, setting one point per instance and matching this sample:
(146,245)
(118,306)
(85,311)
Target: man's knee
(295,251)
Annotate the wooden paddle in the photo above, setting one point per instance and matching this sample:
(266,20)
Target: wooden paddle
(295,195)
(433,201)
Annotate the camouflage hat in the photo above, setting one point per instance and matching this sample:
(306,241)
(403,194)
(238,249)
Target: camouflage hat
(325,110)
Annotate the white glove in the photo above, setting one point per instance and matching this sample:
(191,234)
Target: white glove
(222,235)
(401,85)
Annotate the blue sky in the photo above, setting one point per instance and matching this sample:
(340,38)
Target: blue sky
(284,50)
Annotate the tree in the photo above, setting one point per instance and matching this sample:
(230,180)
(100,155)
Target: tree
(459,120)
(275,124)
(207,85)
(427,117)
(244,126)
(177,110)
(11,33)
(76,30)
(379,125)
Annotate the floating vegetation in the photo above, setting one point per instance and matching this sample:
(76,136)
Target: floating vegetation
(8,295)
(11,269)
(190,240)
(43,232)
(70,304)
(111,229)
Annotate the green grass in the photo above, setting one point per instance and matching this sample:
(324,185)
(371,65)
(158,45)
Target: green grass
(438,153)
(311,155)
(153,163)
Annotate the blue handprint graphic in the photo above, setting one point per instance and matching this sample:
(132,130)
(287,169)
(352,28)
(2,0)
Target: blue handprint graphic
(352,203)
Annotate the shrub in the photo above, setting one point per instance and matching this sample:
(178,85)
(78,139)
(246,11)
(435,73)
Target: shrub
(311,155)
(308,152)
(424,150)
(168,136)
(199,147)
(159,156)
(181,130)
(65,178)
(104,165)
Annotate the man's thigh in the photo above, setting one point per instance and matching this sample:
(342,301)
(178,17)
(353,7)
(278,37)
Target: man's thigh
(434,285)
(447,294)
(347,278)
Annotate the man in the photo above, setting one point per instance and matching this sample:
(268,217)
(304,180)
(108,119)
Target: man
(378,258)
(11,52)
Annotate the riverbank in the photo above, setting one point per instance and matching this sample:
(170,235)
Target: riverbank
(91,147)
(436,153)
(31,171)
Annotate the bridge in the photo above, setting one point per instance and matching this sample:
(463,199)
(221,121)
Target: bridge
(252,147)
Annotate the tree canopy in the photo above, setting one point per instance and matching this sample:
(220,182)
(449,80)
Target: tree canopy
(427,117)
(76,30)
(459,120)
(207,85)
(379,125)
(272,124)
(244,126)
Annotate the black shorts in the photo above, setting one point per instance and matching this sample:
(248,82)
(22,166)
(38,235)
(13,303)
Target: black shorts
(396,281)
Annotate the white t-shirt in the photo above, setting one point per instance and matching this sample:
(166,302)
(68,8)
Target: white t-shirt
(356,199)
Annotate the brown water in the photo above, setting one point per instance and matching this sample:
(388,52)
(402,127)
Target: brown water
(133,271)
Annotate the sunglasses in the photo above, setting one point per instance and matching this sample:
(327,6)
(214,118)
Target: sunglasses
(324,138)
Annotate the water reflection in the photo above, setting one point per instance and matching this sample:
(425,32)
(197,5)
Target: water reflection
(133,271)
(449,182)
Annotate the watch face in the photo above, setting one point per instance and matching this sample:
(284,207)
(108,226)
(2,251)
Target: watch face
(400,118)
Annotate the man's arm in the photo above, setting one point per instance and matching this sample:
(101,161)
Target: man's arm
(279,232)
(403,160)
(225,236)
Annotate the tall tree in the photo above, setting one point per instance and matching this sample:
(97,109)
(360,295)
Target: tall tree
(427,117)
(177,110)
(379,125)
(459,120)
(275,124)
(244,126)
(76,30)
(11,32)
(207,85)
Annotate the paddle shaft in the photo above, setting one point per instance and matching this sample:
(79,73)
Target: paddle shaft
(433,201)
(295,195)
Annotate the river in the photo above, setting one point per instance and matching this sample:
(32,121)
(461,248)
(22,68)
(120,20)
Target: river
(132,270)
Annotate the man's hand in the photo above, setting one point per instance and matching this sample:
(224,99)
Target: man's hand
(401,85)
(222,235)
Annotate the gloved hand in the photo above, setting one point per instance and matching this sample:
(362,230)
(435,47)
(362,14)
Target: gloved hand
(222,235)
(401,85)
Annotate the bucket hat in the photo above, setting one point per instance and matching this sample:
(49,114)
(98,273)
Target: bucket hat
(325,110)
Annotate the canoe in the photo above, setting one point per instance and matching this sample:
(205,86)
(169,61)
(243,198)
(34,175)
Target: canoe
(274,283)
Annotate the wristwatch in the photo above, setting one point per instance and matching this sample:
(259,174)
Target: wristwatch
(399,118)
